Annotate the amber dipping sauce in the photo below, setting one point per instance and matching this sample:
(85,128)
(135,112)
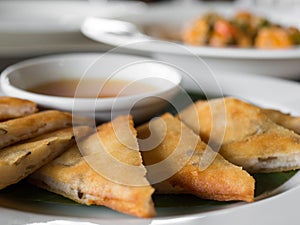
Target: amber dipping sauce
(91,88)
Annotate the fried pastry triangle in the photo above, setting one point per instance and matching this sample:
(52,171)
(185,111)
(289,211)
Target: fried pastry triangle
(30,126)
(18,161)
(11,108)
(181,152)
(91,176)
(251,139)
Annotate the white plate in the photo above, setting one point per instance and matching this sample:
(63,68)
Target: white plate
(280,63)
(280,209)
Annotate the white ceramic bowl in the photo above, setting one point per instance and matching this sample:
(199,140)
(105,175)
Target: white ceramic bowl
(18,78)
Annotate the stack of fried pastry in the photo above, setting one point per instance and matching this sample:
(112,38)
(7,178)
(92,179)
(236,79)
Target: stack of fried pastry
(30,139)
(207,150)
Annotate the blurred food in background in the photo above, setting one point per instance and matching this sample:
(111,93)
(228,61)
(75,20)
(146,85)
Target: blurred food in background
(244,29)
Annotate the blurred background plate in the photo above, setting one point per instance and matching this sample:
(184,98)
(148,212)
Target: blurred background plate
(170,18)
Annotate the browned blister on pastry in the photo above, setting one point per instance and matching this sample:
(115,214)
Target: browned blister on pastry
(180,148)
(77,174)
(13,131)
(251,139)
(18,161)
(11,108)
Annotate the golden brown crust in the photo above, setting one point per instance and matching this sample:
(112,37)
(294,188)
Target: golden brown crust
(120,138)
(18,161)
(71,175)
(229,117)
(82,184)
(275,150)
(252,140)
(11,108)
(285,120)
(30,126)
(220,180)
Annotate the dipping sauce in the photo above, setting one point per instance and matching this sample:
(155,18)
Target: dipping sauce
(91,88)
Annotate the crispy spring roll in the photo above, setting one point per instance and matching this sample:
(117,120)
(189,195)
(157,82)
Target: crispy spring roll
(11,108)
(106,170)
(13,131)
(18,161)
(182,152)
(251,139)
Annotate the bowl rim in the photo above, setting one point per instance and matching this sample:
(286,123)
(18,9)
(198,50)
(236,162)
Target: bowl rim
(10,89)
